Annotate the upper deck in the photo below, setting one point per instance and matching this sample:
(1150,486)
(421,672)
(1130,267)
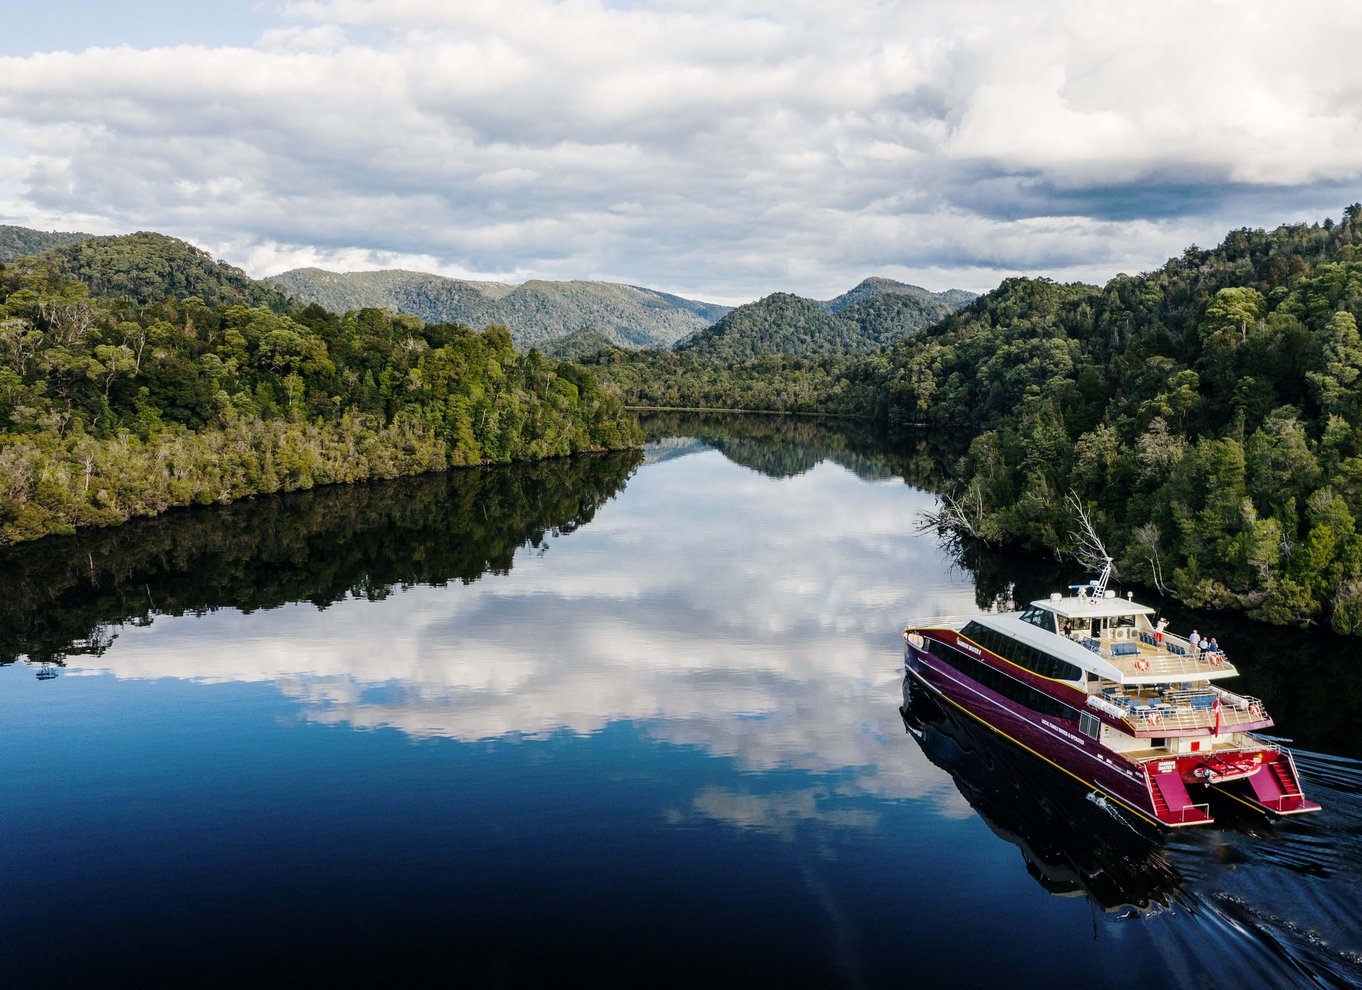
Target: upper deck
(1107,638)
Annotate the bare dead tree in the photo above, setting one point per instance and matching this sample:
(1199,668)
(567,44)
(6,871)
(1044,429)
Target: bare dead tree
(1148,538)
(961,516)
(1088,548)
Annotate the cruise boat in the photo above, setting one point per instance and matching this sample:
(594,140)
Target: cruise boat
(1089,683)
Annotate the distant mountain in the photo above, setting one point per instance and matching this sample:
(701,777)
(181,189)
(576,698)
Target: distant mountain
(893,316)
(874,287)
(535,312)
(780,323)
(148,267)
(16,242)
(875,313)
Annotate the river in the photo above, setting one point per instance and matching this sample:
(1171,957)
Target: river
(630,717)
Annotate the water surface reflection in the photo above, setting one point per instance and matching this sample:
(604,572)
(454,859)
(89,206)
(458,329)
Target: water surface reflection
(641,712)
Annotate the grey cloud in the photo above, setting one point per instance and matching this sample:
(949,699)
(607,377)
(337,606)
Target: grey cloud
(699,147)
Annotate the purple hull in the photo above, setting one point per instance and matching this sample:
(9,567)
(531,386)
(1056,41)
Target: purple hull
(1087,683)
(1058,741)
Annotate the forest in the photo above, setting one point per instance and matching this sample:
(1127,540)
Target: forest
(1208,415)
(168,385)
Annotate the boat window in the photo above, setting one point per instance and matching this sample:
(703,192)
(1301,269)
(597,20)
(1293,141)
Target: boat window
(1043,618)
(1090,725)
(1037,661)
(995,680)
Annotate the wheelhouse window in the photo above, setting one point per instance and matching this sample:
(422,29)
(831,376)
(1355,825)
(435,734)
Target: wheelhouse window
(1043,618)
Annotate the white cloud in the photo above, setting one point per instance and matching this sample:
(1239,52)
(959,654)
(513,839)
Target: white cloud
(722,150)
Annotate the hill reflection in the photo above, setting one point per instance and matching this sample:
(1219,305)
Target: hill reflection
(788,446)
(710,610)
(67,596)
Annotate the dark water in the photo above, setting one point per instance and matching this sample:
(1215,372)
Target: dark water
(610,718)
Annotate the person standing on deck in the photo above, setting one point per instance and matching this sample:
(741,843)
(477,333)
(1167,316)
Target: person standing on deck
(1158,631)
(1195,642)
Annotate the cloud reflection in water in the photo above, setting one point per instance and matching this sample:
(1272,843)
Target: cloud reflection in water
(752,618)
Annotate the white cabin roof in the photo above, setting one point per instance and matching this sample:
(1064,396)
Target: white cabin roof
(1051,643)
(1089,607)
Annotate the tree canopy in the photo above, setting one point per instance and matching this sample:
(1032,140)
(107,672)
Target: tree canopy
(119,405)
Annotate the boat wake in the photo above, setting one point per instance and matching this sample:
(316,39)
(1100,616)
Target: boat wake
(1282,901)
(1245,902)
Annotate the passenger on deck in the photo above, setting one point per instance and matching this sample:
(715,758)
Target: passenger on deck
(1158,631)
(1194,641)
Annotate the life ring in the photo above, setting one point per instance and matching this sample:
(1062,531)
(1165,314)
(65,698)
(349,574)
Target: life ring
(1155,719)
(1217,659)
(1141,664)
(1256,710)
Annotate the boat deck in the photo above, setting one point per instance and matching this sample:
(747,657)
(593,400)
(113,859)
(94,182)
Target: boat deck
(1173,709)
(1143,660)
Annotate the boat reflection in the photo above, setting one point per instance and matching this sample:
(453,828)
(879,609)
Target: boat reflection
(1074,842)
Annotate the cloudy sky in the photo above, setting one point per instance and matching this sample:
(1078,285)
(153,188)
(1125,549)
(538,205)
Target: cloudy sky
(720,150)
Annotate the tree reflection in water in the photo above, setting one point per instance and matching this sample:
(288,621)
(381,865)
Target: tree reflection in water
(67,596)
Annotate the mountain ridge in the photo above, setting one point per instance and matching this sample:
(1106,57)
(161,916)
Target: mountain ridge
(536,312)
(876,312)
(20,242)
(556,316)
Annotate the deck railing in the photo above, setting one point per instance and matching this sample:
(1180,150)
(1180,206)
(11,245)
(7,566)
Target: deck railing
(1141,655)
(937,622)
(1174,711)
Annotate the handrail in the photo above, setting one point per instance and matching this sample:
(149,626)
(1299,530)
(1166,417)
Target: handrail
(1204,807)
(1163,664)
(936,622)
(1172,712)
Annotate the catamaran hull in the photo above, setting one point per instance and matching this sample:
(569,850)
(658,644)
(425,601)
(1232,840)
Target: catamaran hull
(1157,794)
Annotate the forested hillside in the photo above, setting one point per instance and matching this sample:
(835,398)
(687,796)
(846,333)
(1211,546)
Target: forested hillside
(781,323)
(1209,413)
(873,314)
(16,242)
(148,267)
(826,385)
(875,287)
(536,312)
(112,408)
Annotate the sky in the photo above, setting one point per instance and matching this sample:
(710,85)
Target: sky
(718,150)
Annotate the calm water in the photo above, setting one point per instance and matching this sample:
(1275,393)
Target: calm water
(619,717)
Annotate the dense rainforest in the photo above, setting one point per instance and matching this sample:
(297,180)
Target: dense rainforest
(1208,414)
(141,395)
